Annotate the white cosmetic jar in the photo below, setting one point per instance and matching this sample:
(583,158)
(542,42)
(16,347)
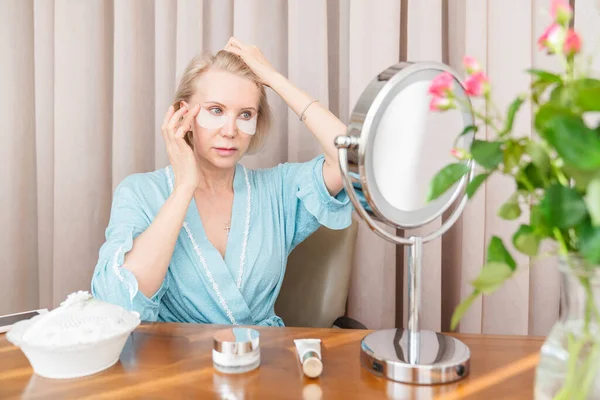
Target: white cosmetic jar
(236,350)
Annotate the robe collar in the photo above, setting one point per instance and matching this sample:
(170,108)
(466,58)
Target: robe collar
(225,287)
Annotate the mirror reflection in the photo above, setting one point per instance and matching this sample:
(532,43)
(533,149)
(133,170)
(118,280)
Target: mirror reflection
(411,145)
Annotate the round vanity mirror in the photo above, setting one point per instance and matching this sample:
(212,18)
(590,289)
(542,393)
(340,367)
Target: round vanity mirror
(397,145)
(394,147)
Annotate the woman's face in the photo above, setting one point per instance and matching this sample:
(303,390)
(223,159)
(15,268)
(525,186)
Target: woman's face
(227,118)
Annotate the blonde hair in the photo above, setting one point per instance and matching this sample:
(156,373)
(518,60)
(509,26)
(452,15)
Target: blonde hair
(225,61)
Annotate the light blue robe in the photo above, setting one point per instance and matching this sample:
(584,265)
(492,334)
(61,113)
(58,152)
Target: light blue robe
(273,211)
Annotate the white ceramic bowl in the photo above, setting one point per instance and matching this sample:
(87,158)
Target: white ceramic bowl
(80,338)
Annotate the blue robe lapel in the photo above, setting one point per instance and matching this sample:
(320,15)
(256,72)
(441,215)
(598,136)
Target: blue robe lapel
(221,285)
(237,242)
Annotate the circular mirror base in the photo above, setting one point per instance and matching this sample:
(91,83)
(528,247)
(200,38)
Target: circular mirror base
(433,358)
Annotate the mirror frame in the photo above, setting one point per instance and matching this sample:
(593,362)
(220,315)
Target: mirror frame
(353,147)
(365,119)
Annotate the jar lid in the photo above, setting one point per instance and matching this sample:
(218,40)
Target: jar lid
(236,340)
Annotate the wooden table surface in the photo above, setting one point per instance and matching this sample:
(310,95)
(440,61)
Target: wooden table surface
(174,361)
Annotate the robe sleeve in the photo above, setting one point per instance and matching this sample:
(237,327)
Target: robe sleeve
(307,203)
(111,282)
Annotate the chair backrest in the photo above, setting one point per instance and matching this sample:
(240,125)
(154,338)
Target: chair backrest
(317,279)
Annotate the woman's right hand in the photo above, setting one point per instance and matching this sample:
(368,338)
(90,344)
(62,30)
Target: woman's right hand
(180,153)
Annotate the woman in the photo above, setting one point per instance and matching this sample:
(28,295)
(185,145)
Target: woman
(205,239)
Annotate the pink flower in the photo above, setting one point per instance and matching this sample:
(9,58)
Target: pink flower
(561,11)
(471,65)
(477,84)
(459,154)
(441,85)
(552,39)
(439,103)
(572,43)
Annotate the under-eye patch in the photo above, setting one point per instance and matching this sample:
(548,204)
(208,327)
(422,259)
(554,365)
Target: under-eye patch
(247,126)
(210,121)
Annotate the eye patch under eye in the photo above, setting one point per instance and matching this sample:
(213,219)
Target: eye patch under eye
(210,121)
(247,126)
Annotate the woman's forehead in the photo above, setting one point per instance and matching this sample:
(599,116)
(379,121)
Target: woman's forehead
(231,90)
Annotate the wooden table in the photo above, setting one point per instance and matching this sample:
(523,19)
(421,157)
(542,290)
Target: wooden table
(174,361)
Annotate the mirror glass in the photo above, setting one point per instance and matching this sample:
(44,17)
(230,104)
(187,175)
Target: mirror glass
(407,145)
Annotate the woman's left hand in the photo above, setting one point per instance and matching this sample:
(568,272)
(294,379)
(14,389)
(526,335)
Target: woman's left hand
(254,58)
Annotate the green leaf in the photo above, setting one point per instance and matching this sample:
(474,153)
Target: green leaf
(587,94)
(578,96)
(492,276)
(577,144)
(539,156)
(563,207)
(535,176)
(512,155)
(510,117)
(445,178)
(497,253)
(476,183)
(537,89)
(592,201)
(589,242)
(510,209)
(547,112)
(539,223)
(582,178)
(526,241)
(462,308)
(487,154)
(589,99)
(530,178)
(469,128)
(544,76)
(558,97)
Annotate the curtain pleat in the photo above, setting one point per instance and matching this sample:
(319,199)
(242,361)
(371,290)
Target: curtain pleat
(43,31)
(83,116)
(374,45)
(165,39)
(307,68)
(18,202)
(133,96)
(508,63)
(467,264)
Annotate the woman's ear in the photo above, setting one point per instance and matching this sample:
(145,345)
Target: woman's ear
(183,104)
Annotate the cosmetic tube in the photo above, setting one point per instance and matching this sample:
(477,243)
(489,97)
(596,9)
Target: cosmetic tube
(309,354)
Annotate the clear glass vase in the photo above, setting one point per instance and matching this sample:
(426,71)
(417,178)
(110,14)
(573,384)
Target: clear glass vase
(569,366)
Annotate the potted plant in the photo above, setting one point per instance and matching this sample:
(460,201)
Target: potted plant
(556,173)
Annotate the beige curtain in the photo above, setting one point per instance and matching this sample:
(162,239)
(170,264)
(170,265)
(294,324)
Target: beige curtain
(85,84)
